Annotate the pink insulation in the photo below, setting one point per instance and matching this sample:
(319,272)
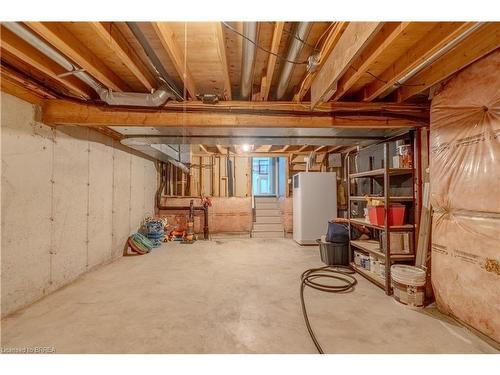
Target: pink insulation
(286,209)
(465,195)
(227,215)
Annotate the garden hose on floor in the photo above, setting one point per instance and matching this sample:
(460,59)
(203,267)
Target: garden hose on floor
(344,283)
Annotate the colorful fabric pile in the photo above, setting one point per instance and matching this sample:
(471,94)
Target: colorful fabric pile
(154,229)
(140,244)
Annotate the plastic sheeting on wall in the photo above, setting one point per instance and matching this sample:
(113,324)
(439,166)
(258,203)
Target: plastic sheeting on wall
(465,195)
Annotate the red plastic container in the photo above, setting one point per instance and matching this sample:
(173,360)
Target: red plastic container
(396,214)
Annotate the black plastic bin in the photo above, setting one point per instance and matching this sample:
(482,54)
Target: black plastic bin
(334,254)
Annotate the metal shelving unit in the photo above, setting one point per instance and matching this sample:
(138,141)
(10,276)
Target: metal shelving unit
(372,246)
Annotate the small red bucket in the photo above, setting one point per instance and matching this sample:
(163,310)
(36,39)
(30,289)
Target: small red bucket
(396,214)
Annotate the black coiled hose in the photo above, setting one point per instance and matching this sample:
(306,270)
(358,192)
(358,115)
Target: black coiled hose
(309,278)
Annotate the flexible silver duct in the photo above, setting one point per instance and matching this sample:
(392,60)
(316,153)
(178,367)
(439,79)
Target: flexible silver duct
(155,99)
(301,33)
(248,58)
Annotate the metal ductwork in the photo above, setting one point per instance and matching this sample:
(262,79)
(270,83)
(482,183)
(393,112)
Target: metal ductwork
(154,99)
(248,58)
(153,58)
(159,151)
(301,33)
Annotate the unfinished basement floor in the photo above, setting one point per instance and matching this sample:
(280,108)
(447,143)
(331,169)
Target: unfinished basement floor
(226,296)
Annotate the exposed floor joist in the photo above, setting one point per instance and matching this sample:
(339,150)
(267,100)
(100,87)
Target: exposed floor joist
(221,49)
(112,38)
(383,41)
(68,45)
(330,42)
(167,39)
(352,42)
(475,46)
(441,35)
(267,79)
(34,58)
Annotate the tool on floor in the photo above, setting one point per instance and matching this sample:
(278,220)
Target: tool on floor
(340,274)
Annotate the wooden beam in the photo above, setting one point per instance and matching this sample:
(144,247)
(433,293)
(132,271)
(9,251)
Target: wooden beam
(66,112)
(481,42)
(23,87)
(411,110)
(221,149)
(34,58)
(167,38)
(354,39)
(330,42)
(204,149)
(60,38)
(320,148)
(436,39)
(382,42)
(271,62)
(221,50)
(115,41)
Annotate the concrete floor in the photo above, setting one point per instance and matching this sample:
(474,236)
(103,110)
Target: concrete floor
(226,296)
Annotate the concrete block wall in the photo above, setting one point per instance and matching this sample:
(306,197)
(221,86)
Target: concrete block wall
(70,198)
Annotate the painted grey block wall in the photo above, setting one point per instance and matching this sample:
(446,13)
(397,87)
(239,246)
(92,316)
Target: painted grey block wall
(70,198)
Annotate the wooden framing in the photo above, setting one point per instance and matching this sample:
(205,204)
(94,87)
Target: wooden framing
(72,113)
(112,37)
(68,45)
(481,42)
(383,41)
(437,38)
(221,49)
(167,39)
(354,39)
(34,58)
(330,42)
(267,79)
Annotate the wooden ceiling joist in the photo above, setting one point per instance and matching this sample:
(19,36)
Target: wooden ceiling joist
(382,42)
(23,87)
(221,49)
(441,35)
(330,42)
(112,38)
(204,148)
(481,42)
(267,79)
(352,42)
(222,150)
(66,112)
(167,39)
(34,58)
(61,39)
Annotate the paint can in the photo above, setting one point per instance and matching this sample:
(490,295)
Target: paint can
(408,284)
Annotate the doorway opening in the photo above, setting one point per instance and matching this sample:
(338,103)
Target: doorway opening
(268,176)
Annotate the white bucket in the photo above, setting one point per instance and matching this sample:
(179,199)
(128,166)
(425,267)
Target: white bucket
(408,284)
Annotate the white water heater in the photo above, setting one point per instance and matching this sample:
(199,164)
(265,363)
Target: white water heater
(314,204)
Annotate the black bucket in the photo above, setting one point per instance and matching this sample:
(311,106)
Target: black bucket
(334,254)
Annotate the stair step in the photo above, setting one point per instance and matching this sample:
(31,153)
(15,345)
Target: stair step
(269,234)
(266,205)
(266,212)
(267,219)
(267,227)
(265,199)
